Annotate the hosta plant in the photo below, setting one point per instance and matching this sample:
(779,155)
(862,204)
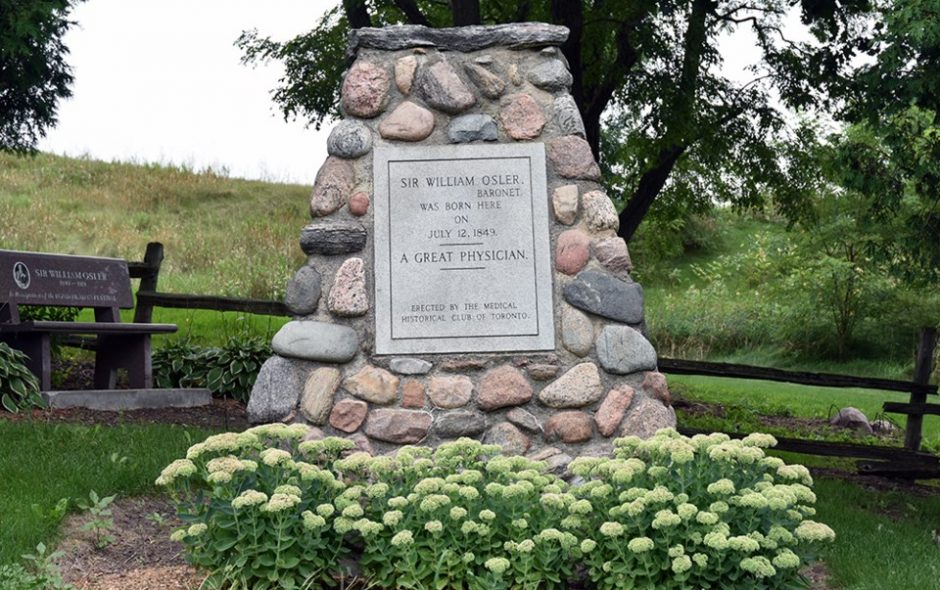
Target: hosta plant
(19,388)
(696,513)
(227,371)
(259,508)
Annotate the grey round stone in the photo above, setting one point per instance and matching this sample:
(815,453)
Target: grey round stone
(490,85)
(333,237)
(577,333)
(409,366)
(510,438)
(474,127)
(316,341)
(303,291)
(852,418)
(550,75)
(580,386)
(459,423)
(277,389)
(464,39)
(349,139)
(623,350)
(439,86)
(607,296)
(568,116)
(524,420)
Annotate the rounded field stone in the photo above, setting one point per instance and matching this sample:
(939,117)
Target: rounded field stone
(359,204)
(316,341)
(647,417)
(412,394)
(542,371)
(510,438)
(571,157)
(459,423)
(623,350)
(303,291)
(277,389)
(373,385)
(524,419)
(319,389)
(577,332)
(441,87)
(565,203)
(334,182)
(348,296)
(365,90)
(610,413)
(409,366)
(333,237)
(598,211)
(362,443)
(398,426)
(502,387)
(408,122)
(450,391)
(475,127)
(551,75)
(405,68)
(572,251)
(613,254)
(607,296)
(852,418)
(568,117)
(522,117)
(569,427)
(580,386)
(491,86)
(348,415)
(655,386)
(349,139)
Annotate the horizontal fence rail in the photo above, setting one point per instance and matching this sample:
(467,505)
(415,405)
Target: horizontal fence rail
(211,302)
(685,367)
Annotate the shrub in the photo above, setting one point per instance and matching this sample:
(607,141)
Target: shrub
(227,371)
(19,388)
(51,313)
(265,510)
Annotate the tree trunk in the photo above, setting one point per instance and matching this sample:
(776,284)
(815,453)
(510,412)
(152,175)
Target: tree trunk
(651,183)
(676,139)
(357,13)
(466,12)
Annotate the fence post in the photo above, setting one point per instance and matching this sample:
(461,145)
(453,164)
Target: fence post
(923,366)
(153,257)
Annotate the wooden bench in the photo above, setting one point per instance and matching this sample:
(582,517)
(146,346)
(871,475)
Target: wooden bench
(29,278)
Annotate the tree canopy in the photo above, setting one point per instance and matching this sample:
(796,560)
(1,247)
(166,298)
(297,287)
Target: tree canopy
(34,74)
(649,71)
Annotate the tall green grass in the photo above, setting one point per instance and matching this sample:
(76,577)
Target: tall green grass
(40,464)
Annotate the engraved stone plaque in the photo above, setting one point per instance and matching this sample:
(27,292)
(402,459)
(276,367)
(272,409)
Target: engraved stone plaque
(462,260)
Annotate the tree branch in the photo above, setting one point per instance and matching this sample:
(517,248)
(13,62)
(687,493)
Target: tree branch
(357,13)
(412,12)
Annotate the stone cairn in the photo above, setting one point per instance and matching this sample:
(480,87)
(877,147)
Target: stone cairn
(502,84)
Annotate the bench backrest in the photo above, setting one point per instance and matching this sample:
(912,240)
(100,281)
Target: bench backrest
(31,278)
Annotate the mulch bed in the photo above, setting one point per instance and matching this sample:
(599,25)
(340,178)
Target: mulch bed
(226,414)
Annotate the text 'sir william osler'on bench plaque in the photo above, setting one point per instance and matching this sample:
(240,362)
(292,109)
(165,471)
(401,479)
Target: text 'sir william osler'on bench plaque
(462,261)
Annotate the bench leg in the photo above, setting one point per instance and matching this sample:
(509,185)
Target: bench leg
(123,352)
(37,348)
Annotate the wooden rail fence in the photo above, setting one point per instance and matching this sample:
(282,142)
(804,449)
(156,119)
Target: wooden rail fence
(908,461)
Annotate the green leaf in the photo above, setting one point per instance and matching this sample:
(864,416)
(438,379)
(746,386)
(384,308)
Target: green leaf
(8,403)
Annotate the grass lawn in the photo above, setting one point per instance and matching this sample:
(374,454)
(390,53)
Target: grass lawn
(745,400)
(40,464)
(884,540)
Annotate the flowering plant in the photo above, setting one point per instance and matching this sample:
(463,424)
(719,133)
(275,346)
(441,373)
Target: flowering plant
(266,510)
(460,516)
(260,506)
(700,512)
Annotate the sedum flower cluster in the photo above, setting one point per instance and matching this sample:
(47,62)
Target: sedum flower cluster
(265,509)
(699,512)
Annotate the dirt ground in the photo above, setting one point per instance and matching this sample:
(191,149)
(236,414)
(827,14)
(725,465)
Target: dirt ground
(226,414)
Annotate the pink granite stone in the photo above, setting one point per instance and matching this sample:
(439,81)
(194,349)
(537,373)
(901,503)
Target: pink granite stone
(408,122)
(571,157)
(359,204)
(522,117)
(365,90)
(572,251)
(334,181)
(611,411)
(348,296)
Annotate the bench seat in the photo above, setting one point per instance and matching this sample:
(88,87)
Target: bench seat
(87,328)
